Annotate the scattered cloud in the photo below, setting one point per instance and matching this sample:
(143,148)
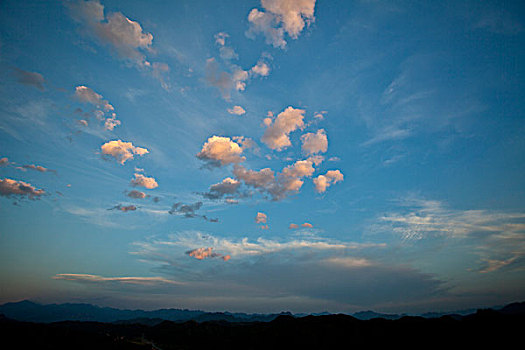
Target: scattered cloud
(314,143)
(204,253)
(219,151)
(86,278)
(38,168)
(227,187)
(280,186)
(143,181)
(293,226)
(30,78)
(122,151)
(277,131)
(261,69)
(122,34)
(87,95)
(136,194)
(238,110)
(220,38)
(124,208)
(261,218)
(280,17)
(189,211)
(20,189)
(307,225)
(4,161)
(322,182)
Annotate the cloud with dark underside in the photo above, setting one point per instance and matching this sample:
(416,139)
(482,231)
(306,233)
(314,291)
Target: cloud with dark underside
(189,211)
(124,208)
(205,253)
(136,194)
(19,189)
(30,78)
(220,151)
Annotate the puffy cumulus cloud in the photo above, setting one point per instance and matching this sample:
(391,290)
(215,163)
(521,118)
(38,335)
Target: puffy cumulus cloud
(276,135)
(227,187)
(87,278)
(30,78)
(280,186)
(124,208)
(227,53)
(307,225)
(322,182)
(261,218)
(143,181)
(238,110)
(314,143)
(240,77)
(136,194)
(14,188)
(280,17)
(122,151)
(220,151)
(189,211)
(85,94)
(261,69)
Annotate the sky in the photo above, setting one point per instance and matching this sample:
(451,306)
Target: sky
(263,156)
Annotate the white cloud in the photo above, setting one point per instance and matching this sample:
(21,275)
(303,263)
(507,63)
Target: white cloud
(143,181)
(314,143)
(220,151)
(220,38)
(277,131)
(322,182)
(85,94)
(280,17)
(238,110)
(122,151)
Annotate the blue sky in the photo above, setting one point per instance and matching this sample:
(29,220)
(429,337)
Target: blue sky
(262,156)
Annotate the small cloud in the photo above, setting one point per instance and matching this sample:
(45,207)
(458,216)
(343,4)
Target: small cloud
(38,168)
(261,69)
(204,253)
(322,182)
(277,131)
(220,38)
(334,159)
(143,181)
(307,225)
(314,143)
(123,208)
(122,151)
(4,161)
(280,17)
(238,110)
(219,151)
(30,78)
(261,218)
(293,226)
(189,211)
(228,186)
(87,95)
(14,188)
(136,194)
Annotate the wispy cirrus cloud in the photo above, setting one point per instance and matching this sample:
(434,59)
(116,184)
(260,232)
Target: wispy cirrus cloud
(88,278)
(30,78)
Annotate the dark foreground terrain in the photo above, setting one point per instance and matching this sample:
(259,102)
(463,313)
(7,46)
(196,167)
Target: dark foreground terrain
(502,329)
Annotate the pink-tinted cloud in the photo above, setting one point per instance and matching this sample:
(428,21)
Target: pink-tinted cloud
(276,135)
(322,182)
(314,143)
(14,188)
(204,253)
(122,151)
(261,218)
(136,194)
(30,78)
(293,226)
(307,225)
(81,277)
(220,151)
(144,181)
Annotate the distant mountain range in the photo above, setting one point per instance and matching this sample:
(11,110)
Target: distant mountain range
(28,311)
